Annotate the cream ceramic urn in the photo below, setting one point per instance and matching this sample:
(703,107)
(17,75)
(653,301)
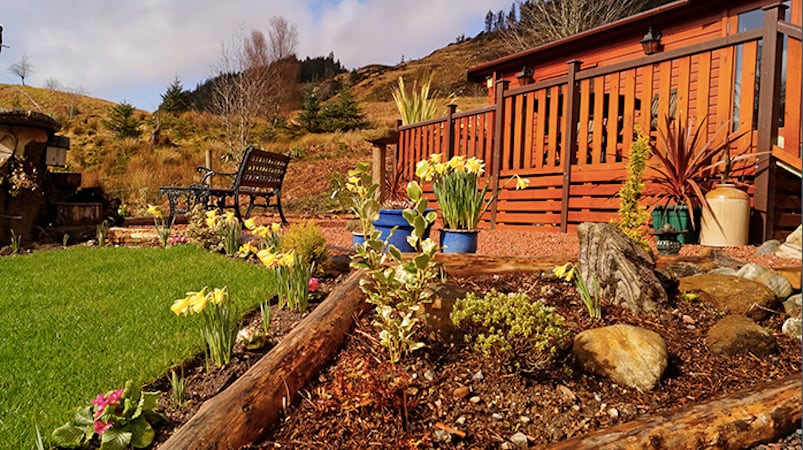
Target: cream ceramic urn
(731,207)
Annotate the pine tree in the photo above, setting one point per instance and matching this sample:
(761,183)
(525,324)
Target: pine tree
(175,99)
(121,121)
(489,21)
(310,110)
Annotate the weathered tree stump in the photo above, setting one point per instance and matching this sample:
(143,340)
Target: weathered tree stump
(739,420)
(246,409)
(624,271)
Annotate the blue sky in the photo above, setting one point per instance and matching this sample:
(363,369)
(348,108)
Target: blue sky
(130,50)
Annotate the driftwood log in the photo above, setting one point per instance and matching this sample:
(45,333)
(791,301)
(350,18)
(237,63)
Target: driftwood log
(246,409)
(740,420)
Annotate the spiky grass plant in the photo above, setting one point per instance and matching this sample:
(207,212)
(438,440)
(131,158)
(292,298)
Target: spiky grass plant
(417,105)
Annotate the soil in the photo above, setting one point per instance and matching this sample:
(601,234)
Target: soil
(448,396)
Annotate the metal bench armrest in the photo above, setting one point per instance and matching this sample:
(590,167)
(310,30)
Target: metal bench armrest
(207,172)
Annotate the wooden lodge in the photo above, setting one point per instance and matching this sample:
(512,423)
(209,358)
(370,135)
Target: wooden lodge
(735,63)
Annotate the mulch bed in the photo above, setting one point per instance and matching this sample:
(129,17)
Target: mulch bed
(447,396)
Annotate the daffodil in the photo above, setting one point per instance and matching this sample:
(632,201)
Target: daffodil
(230,218)
(440,168)
(276,227)
(247,249)
(154,211)
(475,165)
(458,163)
(198,301)
(250,223)
(435,158)
(565,271)
(522,183)
(181,306)
(219,296)
(268,258)
(211,218)
(287,259)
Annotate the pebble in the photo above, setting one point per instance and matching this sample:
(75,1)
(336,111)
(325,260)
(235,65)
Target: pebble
(475,399)
(524,419)
(460,420)
(478,376)
(461,392)
(519,440)
(689,320)
(497,416)
(613,413)
(566,393)
(441,436)
(597,397)
(429,375)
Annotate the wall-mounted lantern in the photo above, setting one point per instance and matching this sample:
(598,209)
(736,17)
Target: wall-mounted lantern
(525,76)
(651,42)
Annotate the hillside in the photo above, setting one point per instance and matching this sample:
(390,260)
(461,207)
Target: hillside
(132,169)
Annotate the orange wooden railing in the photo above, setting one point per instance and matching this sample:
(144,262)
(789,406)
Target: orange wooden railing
(595,114)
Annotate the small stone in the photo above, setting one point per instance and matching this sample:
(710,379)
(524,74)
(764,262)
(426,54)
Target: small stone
(506,446)
(613,413)
(597,397)
(461,420)
(567,394)
(441,436)
(768,247)
(792,327)
(519,440)
(475,399)
(478,376)
(689,320)
(792,305)
(461,392)
(524,419)
(575,408)
(429,375)
(497,416)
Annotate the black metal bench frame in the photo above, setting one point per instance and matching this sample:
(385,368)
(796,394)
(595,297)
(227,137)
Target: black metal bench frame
(259,177)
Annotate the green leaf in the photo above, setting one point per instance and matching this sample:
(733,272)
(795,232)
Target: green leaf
(422,261)
(142,433)
(83,416)
(395,252)
(115,439)
(68,436)
(414,191)
(149,400)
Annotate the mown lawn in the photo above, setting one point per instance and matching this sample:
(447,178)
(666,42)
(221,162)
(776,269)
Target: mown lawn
(80,321)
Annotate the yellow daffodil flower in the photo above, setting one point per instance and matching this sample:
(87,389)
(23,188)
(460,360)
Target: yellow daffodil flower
(276,227)
(475,165)
(565,271)
(211,218)
(218,296)
(435,158)
(230,218)
(287,259)
(458,163)
(198,300)
(154,211)
(268,258)
(181,306)
(250,223)
(440,168)
(522,183)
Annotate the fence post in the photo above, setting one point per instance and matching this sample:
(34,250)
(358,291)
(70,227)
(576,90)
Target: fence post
(449,138)
(496,152)
(569,144)
(208,164)
(769,110)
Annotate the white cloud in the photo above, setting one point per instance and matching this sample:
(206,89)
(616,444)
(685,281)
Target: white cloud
(132,49)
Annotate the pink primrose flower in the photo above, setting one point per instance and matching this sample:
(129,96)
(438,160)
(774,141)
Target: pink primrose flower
(101,427)
(313,284)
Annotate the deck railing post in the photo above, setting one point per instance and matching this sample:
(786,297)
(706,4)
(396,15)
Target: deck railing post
(569,144)
(769,110)
(448,144)
(496,152)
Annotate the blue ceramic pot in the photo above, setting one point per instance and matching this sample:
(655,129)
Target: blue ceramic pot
(459,241)
(389,218)
(357,238)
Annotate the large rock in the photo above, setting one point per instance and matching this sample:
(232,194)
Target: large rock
(624,271)
(628,355)
(736,334)
(731,294)
(768,277)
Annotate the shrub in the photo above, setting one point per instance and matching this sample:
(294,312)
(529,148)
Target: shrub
(526,335)
(121,121)
(632,216)
(306,239)
(202,235)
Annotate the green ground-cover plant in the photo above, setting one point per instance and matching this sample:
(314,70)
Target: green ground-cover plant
(525,334)
(81,320)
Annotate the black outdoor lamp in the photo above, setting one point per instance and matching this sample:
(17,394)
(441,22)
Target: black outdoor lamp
(526,75)
(651,42)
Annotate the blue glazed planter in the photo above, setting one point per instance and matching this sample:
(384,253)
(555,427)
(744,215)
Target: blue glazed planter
(389,218)
(459,241)
(357,238)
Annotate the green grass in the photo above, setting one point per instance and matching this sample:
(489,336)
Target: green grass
(83,320)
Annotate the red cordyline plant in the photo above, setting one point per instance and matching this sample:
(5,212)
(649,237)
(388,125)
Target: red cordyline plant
(686,161)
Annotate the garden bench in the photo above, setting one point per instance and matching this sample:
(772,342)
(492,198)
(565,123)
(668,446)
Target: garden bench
(259,176)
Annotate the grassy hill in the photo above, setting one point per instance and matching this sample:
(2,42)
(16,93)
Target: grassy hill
(133,169)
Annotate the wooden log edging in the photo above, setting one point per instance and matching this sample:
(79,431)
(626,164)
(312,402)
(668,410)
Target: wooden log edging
(737,421)
(251,405)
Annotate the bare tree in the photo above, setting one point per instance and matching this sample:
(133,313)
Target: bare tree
(252,80)
(22,68)
(543,21)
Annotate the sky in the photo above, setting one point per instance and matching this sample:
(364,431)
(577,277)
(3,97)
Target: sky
(131,50)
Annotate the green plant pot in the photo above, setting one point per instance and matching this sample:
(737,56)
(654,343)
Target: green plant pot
(678,216)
